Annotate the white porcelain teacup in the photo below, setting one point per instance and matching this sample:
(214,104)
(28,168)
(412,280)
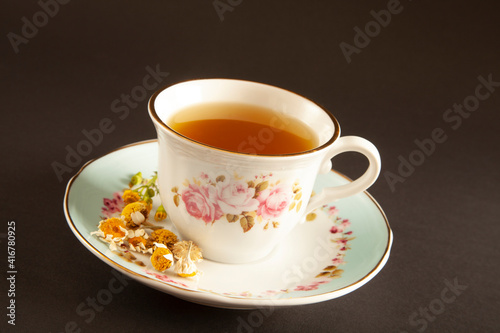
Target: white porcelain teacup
(238,206)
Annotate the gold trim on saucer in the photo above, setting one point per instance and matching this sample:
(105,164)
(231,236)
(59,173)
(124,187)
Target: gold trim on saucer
(224,301)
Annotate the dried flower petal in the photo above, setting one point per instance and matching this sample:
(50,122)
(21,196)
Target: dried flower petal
(160,214)
(137,218)
(111,231)
(185,268)
(130,196)
(113,226)
(139,244)
(128,213)
(165,237)
(181,250)
(135,241)
(161,258)
(186,253)
(139,241)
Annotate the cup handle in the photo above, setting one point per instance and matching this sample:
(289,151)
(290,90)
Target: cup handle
(345,144)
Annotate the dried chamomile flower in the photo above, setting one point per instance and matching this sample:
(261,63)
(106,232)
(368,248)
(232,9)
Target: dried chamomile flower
(185,265)
(165,237)
(130,196)
(160,214)
(135,213)
(182,249)
(139,241)
(112,228)
(112,231)
(185,268)
(161,258)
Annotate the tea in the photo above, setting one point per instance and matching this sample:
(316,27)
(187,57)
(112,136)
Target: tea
(244,128)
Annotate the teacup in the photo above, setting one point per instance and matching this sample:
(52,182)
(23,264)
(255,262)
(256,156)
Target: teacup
(238,206)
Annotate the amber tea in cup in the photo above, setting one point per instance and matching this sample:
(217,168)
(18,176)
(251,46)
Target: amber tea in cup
(244,128)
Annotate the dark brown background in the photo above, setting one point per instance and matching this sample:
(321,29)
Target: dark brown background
(396,90)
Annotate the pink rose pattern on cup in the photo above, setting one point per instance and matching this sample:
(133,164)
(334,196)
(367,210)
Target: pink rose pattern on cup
(273,202)
(199,203)
(259,200)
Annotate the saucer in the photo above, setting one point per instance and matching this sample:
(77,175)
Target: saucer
(339,247)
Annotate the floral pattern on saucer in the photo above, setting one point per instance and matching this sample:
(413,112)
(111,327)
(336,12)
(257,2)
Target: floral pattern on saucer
(338,232)
(112,205)
(257,285)
(339,237)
